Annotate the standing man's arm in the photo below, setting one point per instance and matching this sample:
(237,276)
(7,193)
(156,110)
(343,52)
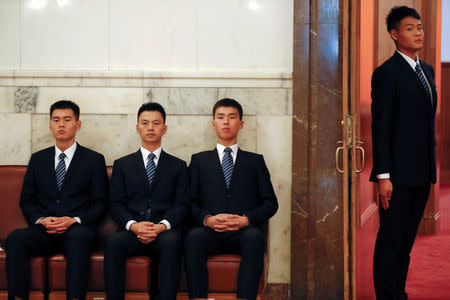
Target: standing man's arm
(268,201)
(28,202)
(383,101)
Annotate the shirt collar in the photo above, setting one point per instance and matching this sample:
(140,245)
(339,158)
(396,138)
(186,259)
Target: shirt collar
(145,153)
(221,148)
(69,151)
(409,60)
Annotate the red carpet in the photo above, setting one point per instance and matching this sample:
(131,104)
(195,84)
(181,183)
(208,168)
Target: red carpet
(429,271)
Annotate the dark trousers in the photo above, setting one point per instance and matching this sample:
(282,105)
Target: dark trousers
(200,242)
(398,229)
(123,244)
(75,243)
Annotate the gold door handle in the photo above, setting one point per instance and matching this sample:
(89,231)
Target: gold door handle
(363,157)
(337,156)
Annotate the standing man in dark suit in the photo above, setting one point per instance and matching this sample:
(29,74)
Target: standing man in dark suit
(148,200)
(404,101)
(63,196)
(232,201)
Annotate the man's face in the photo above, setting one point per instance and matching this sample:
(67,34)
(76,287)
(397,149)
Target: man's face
(151,127)
(227,123)
(64,125)
(409,35)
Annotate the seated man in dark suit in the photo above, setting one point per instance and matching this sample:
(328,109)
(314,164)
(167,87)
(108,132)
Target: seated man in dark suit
(148,200)
(64,193)
(232,201)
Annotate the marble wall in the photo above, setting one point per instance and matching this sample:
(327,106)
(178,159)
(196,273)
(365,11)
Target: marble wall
(108,116)
(170,35)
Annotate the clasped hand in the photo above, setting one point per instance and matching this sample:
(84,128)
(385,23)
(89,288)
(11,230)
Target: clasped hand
(226,222)
(146,231)
(57,225)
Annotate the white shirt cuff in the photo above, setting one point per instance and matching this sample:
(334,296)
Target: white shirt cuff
(165,222)
(37,221)
(384,176)
(129,223)
(77,219)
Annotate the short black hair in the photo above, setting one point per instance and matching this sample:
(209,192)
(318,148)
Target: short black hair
(228,102)
(397,14)
(152,106)
(63,104)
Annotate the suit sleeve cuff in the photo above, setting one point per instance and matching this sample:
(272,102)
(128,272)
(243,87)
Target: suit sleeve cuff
(77,219)
(204,220)
(165,222)
(129,223)
(384,176)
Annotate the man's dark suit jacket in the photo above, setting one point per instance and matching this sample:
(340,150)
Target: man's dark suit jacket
(250,192)
(83,194)
(131,194)
(403,124)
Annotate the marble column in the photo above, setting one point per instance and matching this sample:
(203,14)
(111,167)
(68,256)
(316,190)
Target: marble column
(317,256)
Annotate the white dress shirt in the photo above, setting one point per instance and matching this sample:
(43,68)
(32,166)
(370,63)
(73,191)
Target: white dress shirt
(145,158)
(234,149)
(413,64)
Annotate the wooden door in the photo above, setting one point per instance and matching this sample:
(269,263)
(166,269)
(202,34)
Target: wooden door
(364,204)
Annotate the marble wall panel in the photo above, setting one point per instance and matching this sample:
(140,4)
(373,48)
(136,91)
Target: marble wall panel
(93,100)
(159,35)
(25,99)
(239,35)
(106,134)
(275,143)
(10,34)
(15,135)
(183,100)
(187,135)
(7,99)
(71,37)
(260,101)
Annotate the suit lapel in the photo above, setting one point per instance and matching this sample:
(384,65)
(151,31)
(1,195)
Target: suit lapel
(408,71)
(215,160)
(49,165)
(139,166)
(162,161)
(429,76)
(76,160)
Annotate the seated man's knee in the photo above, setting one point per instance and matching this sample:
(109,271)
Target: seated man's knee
(80,233)
(17,238)
(195,240)
(253,237)
(170,239)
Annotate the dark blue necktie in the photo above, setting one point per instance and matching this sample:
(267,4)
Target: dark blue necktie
(422,81)
(60,170)
(227,165)
(150,168)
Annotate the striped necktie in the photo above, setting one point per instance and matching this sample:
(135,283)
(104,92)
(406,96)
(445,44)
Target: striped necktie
(423,81)
(227,165)
(60,170)
(150,168)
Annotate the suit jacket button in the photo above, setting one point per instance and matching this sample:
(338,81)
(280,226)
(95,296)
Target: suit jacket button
(57,201)
(141,213)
